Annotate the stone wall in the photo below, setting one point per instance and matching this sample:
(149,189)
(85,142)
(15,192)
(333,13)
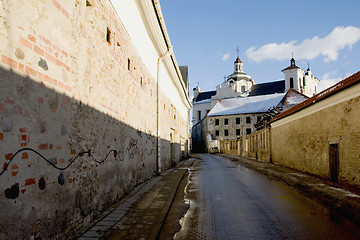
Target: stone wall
(302,140)
(78,114)
(255,145)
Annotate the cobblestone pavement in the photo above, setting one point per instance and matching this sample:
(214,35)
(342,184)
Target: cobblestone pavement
(141,213)
(227,198)
(230,201)
(340,199)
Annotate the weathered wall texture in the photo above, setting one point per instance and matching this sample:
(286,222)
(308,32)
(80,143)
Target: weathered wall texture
(255,145)
(302,140)
(232,126)
(199,137)
(72,81)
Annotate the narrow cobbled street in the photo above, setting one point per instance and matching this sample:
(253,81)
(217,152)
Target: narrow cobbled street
(229,201)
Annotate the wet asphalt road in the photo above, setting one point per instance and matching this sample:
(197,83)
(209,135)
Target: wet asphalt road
(228,201)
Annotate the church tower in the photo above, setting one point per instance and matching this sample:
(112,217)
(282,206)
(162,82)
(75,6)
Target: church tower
(238,66)
(293,76)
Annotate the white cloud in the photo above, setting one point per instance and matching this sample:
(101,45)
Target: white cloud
(328,79)
(328,47)
(225,57)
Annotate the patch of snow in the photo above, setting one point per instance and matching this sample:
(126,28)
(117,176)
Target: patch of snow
(348,193)
(295,99)
(203,101)
(242,105)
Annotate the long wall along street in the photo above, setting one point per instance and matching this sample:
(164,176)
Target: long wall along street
(92,103)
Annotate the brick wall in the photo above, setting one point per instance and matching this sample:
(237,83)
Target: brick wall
(78,116)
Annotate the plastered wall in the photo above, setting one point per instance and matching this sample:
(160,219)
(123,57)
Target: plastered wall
(302,140)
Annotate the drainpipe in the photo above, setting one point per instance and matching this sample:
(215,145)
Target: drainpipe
(158,147)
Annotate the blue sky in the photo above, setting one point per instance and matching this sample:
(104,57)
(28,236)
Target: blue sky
(206,33)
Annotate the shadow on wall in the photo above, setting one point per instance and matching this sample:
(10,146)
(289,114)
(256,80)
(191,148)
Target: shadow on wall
(63,162)
(198,138)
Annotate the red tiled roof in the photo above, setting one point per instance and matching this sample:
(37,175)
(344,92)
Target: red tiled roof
(238,60)
(290,67)
(340,86)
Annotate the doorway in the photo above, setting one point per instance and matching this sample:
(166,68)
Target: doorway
(334,162)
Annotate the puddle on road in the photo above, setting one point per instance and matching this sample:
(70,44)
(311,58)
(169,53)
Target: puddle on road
(193,222)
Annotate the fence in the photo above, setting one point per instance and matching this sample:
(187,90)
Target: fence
(256,145)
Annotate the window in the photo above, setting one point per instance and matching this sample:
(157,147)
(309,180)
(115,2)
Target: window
(248,131)
(226,132)
(304,83)
(216,132)
(108,35)
(199,115)
(291,83)
(258,118)
(129,64)
(226,121)
(237,132)
(243,88)
(88,3)
(248,120)
(237,120)
(217,122)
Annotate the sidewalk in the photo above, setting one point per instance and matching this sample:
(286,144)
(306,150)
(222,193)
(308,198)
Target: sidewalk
(142,212)
(341,200)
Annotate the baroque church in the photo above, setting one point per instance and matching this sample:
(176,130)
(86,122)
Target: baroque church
(240,107)
(241,85)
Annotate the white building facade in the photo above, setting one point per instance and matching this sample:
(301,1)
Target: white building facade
(240,84)
(301,81)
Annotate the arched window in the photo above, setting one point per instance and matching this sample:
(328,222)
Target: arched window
(291,83)
(243,88)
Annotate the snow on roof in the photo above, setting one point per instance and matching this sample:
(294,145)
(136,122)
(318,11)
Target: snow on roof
(242,105)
